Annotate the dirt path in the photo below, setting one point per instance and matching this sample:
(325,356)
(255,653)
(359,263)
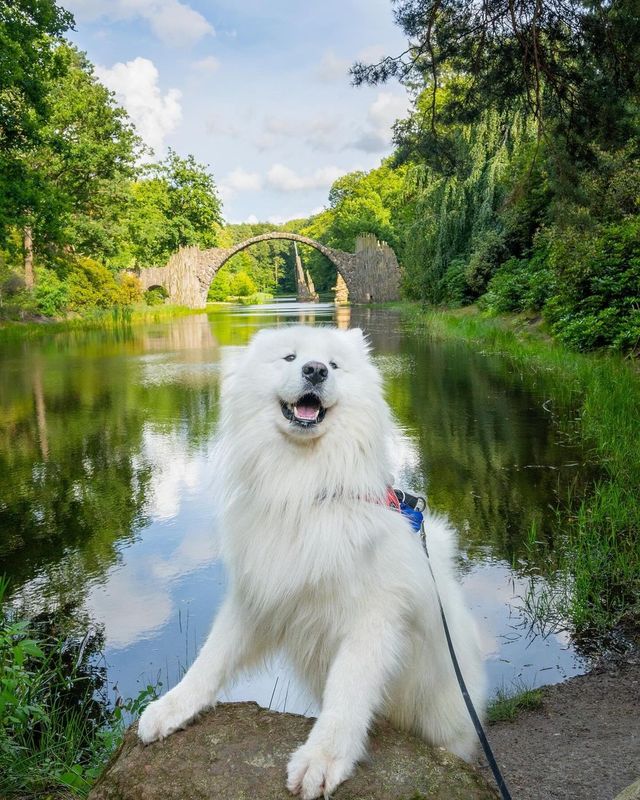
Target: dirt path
(583,744)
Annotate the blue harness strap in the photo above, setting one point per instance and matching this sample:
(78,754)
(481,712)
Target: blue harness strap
(411,507)
(413,515)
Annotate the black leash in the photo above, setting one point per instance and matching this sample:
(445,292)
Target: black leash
(412,507)
(488,752)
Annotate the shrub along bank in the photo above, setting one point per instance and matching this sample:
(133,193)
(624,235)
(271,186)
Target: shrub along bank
(57,726)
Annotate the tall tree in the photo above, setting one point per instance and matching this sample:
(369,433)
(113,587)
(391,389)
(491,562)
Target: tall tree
(30,32)
(175,205)
(84,163)
(574,61)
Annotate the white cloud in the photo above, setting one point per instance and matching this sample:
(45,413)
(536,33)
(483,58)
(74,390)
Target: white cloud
(376,136)
(219,125)
(279,219)
(332,68)
(372,54)
(208,65)
(242,181)
(174,23)
(239,180)
(136,87)
(319,133)
(284,179)
(386,109)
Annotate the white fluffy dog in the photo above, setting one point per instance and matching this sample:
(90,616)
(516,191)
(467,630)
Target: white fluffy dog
(321,568)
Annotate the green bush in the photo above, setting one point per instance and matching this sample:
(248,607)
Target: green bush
(91,285)
(454,287)
(50,293)
(242,285)
(155,296)
(255,299)
(12,285)
(130,289)
(508,288)
(220,287)
(597,300)
(489,251)
(57,730)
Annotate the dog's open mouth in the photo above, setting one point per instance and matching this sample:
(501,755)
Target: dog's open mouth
(305,412)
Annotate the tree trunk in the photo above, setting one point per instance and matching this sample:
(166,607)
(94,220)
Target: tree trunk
(29,278)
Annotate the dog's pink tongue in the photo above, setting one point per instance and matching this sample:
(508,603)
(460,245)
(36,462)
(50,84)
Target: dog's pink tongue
(306,412)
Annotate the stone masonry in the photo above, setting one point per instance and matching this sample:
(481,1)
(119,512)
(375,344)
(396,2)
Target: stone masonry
(372,274)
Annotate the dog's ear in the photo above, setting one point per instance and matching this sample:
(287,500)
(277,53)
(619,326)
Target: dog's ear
(359,339)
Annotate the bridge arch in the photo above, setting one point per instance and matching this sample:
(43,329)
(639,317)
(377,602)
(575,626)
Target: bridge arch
(371,273)
(343,262)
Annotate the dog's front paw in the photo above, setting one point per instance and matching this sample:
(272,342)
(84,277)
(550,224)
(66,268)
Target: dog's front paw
(163,717)
(314,772)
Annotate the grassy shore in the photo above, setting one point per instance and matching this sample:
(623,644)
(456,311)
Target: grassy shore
(508,702)
(93,320)
(595,397)
(57,726)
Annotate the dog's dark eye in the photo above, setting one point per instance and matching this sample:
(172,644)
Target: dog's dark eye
(333,365)
(290,357)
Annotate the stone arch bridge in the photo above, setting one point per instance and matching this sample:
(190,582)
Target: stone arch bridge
(371,273)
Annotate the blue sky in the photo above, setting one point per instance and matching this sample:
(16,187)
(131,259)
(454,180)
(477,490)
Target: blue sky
(258,90)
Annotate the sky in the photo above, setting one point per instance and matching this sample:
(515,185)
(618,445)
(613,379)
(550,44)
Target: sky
(258,91)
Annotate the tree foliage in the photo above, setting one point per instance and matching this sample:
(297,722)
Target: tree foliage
(522,159)
(575,61)
(83,165)
(75,197)
(173,204)
(29,33)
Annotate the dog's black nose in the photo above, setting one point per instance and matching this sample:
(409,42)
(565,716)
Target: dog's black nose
(315,372)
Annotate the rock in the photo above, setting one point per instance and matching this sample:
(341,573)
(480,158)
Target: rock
(240,751)
(630,793)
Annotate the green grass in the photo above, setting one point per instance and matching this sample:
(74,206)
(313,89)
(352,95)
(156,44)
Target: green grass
(57,728)
(95,319)
(596,399)
(255,299)
(507,703)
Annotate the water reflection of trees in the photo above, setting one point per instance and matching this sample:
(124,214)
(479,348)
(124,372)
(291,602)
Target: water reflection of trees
(75,409)
(75,477)
(493,460)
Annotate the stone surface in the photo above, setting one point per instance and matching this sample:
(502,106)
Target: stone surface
(583,743)
(372,274)
(305,290)
(631,792)
(341,296)
(240,751)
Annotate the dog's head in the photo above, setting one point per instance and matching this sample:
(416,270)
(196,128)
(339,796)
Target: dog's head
(304,381)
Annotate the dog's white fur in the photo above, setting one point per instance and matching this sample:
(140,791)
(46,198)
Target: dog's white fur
(322,569)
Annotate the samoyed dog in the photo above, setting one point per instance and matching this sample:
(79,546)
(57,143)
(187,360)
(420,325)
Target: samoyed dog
(321,568)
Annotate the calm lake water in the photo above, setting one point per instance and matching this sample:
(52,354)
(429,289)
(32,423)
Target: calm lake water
(107,511)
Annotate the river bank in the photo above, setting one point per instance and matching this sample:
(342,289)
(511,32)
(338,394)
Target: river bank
(581,742)
(97,319)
